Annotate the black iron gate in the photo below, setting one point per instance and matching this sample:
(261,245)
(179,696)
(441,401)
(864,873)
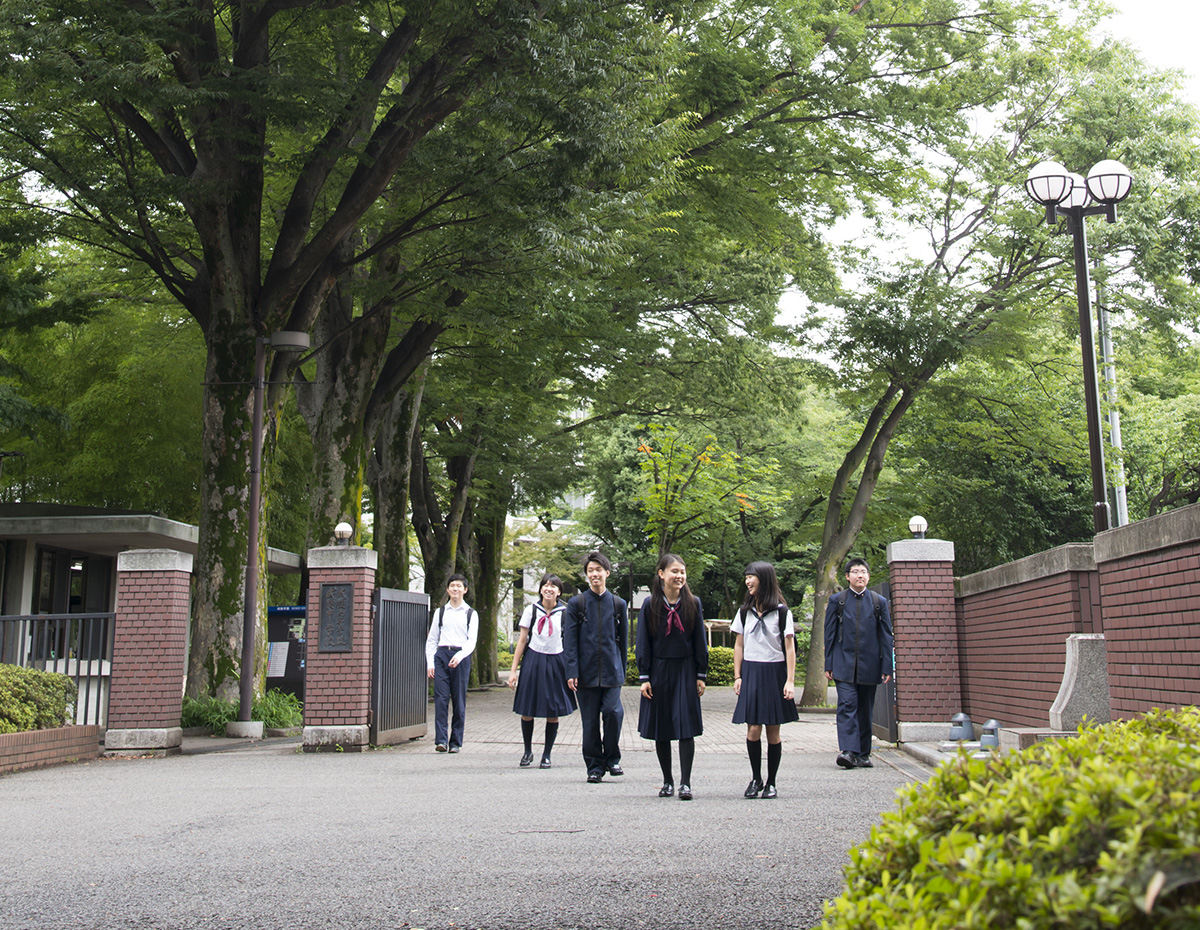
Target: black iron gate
(79,646)
(399,688)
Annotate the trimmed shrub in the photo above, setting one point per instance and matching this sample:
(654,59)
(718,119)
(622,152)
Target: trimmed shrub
(31,699)
(631,670)
(1100,830)
(720,666)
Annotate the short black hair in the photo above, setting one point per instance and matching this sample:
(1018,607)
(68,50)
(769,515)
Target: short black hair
(857,561)
(457,577)
(599,558)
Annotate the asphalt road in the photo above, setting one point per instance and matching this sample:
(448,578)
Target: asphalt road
(238,835)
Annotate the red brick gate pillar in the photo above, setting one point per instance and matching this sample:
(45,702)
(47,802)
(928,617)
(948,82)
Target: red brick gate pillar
(145,697)
(337,666)
(925,622)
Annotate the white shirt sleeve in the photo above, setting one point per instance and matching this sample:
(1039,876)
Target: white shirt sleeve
(431,641)
(472,635)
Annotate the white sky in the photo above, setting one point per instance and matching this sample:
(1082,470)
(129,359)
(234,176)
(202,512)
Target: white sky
(1165,33)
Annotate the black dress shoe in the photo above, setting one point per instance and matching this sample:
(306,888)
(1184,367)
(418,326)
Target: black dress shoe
(615,769)
(545,763)
(666,790)
(846,759)
(594,778)
(863,762)
(753,788)
(685,792)
(527,760)
(769,792)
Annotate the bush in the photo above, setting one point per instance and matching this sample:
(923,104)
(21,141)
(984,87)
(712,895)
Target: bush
(277,710)
(31,699)
(720,665)
(1101,830)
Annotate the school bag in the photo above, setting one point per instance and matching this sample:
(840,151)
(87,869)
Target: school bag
(839,601)
(781,613)
(437,618)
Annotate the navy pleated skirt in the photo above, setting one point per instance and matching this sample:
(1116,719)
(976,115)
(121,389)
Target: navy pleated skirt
(761,700)
(542,686)
(674,711)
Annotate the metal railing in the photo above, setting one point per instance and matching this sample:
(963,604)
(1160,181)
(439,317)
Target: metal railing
(76,645)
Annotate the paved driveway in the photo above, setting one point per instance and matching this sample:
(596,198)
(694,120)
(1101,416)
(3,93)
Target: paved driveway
(238,835)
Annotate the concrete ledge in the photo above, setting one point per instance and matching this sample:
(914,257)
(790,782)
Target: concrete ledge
(1173,528)
(334,739)
(922,732)
(920,550)
(154,560)
(342,557)
(1015,738)
(1073,557)
(139,741)
(244,729)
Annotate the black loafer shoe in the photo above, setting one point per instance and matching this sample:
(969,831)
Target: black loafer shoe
(685,792)
(527,760)
(769,792)
(666,790)
(753,788)
(846,759)
(594,778)
(863,762)
(615,769)
(545,763)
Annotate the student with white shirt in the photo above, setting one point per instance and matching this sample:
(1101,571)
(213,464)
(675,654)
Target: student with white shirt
(764,669)
(541,679)
(448,647)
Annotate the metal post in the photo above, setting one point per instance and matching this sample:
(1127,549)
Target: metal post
(1120,498)
(250,616)
(1091,390)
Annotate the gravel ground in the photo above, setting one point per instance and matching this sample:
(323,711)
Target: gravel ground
(232,835)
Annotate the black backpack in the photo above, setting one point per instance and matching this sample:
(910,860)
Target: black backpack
(839,600)
(437,618)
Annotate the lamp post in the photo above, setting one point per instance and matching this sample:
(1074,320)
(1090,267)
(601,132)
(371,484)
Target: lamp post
(917,526)
(284,341)
(1069,196)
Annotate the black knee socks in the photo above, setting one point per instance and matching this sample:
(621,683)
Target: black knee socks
(774,754)
(527,734)
(551,736)
(662,748)
(754,751)
(687,752)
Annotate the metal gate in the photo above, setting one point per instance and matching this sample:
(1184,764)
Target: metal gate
(399,684)
(76,645)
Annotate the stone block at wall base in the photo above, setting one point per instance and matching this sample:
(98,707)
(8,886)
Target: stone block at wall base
(922,732)
(1084,690)
(335,739)
(1015,738)
(244,729)
(144,741)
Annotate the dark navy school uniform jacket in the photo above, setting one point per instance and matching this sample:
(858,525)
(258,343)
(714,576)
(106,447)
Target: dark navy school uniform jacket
(596,639)
(859,649)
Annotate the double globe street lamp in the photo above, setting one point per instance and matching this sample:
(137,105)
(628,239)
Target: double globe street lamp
(1069,196)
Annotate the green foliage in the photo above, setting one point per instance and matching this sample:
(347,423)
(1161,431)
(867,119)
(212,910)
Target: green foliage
(31,699)
(276,709)
(631,670)
(720,666)
(1102,830)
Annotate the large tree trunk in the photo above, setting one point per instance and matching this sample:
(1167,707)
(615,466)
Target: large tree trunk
(488,536)
(437,529)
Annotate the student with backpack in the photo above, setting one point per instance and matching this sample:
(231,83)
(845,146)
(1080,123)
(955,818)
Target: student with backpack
(453,630)
(858,658)
(672,659)
(541,679)
(764,669)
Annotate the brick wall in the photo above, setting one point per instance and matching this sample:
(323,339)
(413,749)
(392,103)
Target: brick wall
(36,748)
(1013,645)
(337,685)
(925,627)
(149,640)
(1150,599)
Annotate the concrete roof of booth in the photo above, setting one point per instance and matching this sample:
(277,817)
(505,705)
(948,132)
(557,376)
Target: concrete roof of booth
(97,531)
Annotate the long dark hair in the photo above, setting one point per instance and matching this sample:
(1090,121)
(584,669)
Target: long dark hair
(658,599)
(768,596)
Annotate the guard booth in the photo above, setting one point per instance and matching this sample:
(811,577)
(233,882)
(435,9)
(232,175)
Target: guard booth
(285,649)
(399,683)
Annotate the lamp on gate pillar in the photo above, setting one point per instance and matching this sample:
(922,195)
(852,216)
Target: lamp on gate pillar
(283,341)
(1067,195)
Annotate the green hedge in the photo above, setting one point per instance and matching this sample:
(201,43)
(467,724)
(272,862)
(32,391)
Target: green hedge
(1100,830)
(276,709)
(34,700)
(720,665)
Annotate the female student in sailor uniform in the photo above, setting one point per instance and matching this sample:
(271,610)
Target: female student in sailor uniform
(764,668)
(672,659)
(541,680)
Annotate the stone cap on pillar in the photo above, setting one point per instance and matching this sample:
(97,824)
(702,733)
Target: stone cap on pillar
(920,550)
(343,557)
(154,560)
